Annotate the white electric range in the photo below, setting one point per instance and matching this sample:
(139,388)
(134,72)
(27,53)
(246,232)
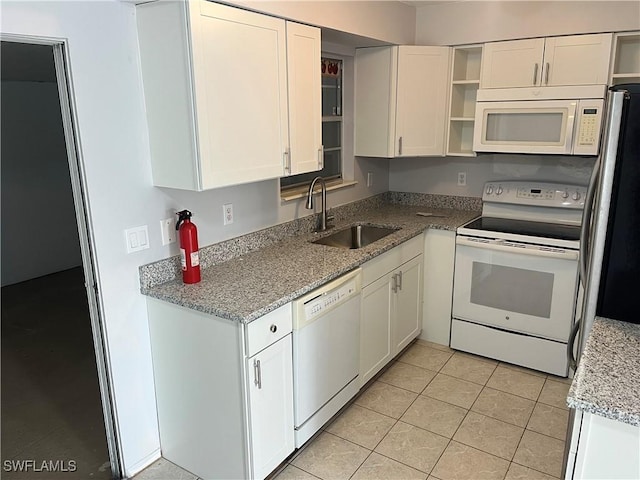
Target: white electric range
(516,275)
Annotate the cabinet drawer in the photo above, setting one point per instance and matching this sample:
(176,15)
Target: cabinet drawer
(388,261)
(265,330)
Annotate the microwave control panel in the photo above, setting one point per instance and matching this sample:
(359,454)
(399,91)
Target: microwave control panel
(589,122)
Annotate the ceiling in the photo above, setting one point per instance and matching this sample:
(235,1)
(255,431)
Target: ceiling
(26,62)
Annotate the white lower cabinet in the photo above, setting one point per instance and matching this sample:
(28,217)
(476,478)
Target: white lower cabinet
(270,406)
(224,391)
(606,449)
(391,305)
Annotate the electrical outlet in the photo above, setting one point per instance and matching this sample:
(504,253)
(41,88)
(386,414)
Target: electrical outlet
(370,179)
(227,211)
(168,231)
(462,179)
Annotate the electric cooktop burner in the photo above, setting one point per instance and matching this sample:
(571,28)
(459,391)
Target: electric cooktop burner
(525,227)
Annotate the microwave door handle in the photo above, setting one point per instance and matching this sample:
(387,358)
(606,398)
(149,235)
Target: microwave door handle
(572,126)
(499,246)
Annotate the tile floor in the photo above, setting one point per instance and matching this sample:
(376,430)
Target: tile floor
(436,414)
(440,414)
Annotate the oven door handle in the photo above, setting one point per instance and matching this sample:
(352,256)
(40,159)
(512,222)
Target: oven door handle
(509,247)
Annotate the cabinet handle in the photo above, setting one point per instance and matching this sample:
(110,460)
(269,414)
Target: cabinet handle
(394,285)
(535,73)
(400,146)
(273,328)
(286,159)
(400,280)
(257,373)
(546,73)
(321,157)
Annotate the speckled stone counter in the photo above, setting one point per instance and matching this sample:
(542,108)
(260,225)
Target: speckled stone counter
(607,381)
(246,286)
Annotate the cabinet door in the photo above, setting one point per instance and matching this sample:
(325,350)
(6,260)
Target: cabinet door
(375,328)
(240,77)
(423,79)
(512,64)
(270,378)
(577,60)
(305,99)
(408,304)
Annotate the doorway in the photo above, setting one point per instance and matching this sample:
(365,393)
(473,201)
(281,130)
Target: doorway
(56,410)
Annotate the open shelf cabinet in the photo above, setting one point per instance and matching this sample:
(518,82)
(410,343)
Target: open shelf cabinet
(465,81)
(626,58)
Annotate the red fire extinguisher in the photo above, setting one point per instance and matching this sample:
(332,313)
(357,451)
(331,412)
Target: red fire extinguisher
(188,247)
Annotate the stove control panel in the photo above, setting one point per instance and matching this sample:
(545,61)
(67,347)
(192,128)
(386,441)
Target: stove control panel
(542,194)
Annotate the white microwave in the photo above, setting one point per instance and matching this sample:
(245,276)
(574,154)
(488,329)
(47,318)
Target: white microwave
(548,120)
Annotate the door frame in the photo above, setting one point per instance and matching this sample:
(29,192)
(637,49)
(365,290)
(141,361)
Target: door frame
(85,233)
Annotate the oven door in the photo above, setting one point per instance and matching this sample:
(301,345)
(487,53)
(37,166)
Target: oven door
(515,286)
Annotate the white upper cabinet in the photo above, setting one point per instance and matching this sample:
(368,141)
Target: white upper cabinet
(305,99)
(401,100)
(217,94)
(553,61)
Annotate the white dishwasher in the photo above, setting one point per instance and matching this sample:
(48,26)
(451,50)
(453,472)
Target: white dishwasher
(326,352)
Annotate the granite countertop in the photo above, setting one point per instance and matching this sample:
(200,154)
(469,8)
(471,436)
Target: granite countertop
(607,381)
(250,285)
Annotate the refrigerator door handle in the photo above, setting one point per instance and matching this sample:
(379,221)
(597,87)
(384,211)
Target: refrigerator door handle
(585,225)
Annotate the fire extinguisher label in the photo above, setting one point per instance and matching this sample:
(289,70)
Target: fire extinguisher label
(195,259)
(183,259)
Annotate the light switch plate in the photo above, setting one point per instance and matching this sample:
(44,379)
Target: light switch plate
(137,238)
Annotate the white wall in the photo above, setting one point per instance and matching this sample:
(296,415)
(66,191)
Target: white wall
(39,230)
(440,175)
(458,23)
(107,89)
(392,22)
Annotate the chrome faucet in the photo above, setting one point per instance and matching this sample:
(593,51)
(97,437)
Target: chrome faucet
(324,218)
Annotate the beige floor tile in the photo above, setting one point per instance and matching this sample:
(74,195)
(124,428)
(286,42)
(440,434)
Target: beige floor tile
(425,357)
(461,462)
(453,390)
(162,469)
(541,453)
(386,399)
(294,473)
(362,426)
(331,458)
(379,467)
(518,368)
(548,420)
(504,406)
(407,376)
(433,415)
(412,446)
(489,435)
(555,394)
(437,346)
(468,367)
(516,382)
(518,472)
(560,379)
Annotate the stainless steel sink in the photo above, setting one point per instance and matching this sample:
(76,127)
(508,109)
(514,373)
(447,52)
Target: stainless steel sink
(356,236)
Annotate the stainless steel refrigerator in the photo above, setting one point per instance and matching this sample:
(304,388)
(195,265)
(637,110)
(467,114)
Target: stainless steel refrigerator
(610,237)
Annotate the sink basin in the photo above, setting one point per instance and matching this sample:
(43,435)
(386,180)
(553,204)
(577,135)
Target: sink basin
(356,236)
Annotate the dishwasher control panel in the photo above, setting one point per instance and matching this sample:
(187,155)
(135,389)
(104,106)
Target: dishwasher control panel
(325,301)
